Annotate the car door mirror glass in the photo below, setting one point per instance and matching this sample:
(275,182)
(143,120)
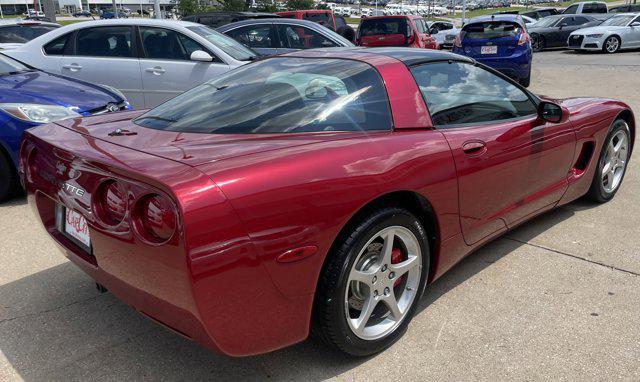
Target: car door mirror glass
(200,55)
(550,112)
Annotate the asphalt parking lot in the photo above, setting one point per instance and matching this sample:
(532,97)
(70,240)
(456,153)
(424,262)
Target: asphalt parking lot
(555,299)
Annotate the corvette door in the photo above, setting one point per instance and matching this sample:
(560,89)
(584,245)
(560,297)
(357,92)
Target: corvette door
(167,69)
(509,164)
(106,55)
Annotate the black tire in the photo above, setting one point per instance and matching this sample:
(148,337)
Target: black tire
(612,39)
(539,43)
(329,319)
(526,81)
(597,191)
(9,184)
(347,32)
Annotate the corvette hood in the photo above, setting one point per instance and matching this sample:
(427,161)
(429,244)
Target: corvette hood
(190,148)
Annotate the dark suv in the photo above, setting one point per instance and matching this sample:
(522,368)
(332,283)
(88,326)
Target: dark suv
(218,19)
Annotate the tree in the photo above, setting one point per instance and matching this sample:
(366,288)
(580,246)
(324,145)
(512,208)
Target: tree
(299,4)
(189,7)
(266,6)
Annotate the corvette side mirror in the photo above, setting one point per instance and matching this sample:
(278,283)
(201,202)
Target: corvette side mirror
(551,112)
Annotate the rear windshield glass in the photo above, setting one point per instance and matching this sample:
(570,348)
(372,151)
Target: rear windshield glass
(225,43)
(320,18)
(22,34)
(492,29)
(371,27)
(280,95)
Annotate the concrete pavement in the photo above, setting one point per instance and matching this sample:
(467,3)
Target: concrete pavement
(555,299)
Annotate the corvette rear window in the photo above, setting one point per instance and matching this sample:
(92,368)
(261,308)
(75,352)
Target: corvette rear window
(280,95)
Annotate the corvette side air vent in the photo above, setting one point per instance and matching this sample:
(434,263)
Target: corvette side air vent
(585,156)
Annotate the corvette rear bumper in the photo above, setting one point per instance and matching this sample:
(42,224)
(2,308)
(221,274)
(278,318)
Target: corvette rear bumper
(208,283)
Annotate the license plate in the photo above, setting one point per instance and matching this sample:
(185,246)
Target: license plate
(491,49)
(73,225)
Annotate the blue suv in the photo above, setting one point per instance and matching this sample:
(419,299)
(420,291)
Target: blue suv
(500,42)
(31,97)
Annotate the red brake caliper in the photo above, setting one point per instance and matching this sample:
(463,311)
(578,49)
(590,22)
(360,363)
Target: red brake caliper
(396,257)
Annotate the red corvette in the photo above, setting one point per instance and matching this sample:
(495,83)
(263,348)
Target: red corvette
(321,190)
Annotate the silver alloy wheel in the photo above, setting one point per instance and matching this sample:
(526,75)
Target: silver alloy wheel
(612,44)
(615,160)
(379,292)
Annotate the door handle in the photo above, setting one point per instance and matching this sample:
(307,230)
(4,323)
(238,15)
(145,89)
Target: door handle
(474,148)
(73,67)
(155,70)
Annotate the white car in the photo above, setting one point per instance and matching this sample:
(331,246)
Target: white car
(619,32)
(15,32)
(444,32)
(148,60)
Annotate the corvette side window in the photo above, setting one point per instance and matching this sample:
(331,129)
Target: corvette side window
(459,93)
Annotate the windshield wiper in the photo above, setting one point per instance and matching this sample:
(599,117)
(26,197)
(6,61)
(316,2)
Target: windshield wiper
(156,118)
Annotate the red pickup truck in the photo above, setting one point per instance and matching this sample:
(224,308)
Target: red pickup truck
(323,17)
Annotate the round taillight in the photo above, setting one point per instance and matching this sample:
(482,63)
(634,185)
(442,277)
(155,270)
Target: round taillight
(156,218)
(111,202)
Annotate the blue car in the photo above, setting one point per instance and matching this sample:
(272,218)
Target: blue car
(500,42)
(30,97)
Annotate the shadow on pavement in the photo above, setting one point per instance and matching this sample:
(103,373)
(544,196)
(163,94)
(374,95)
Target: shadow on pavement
(54,325)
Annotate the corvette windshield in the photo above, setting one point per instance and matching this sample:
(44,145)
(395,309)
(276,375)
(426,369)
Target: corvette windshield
(618,21)
(280,95)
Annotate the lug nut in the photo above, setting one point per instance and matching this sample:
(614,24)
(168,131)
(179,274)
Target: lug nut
(386,291)
(375,278)
(384,268)
(375,293)
(392,275)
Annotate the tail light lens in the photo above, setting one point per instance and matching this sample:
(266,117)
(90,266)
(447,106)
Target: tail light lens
(155,218)
(524,38)
(457,42)
(110,202)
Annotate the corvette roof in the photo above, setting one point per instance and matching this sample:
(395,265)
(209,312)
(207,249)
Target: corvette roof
(408,56)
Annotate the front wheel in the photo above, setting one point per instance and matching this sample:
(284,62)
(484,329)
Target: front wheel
(611,44)
(372,282)
(612,163)
(9,184)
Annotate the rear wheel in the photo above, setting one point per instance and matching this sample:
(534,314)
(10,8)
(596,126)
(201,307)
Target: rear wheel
(372,282)
(611,44)
(612,163)
(9,185)
(526,81)
(538,44)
